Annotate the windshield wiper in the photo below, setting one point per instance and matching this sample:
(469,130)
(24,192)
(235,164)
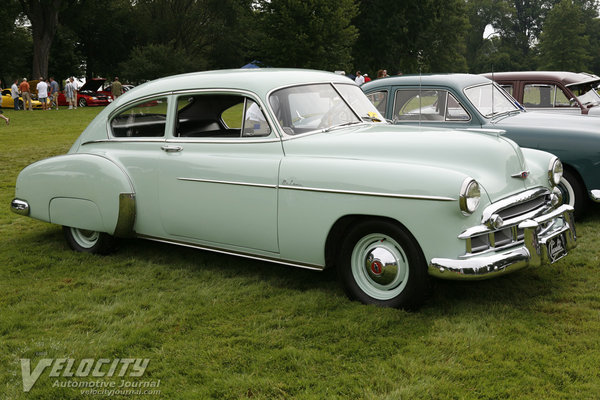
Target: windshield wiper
(341,125)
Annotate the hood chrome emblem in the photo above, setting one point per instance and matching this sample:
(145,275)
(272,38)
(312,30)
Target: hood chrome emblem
(521,175)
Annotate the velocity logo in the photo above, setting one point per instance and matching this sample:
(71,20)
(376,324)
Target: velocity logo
(67,368)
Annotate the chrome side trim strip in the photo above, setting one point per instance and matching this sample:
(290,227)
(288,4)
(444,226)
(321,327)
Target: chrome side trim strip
(595,195)
(126,219)
(359,193)
(321,190)
(264,185)
(314,267)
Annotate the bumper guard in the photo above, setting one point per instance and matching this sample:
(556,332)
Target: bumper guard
(537,248)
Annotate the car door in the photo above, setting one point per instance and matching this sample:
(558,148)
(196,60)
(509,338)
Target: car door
(218,173)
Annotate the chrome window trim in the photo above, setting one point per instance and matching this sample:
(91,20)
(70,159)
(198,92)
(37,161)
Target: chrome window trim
(172,108)
(141,140)
(274,136)
(502,91)
(284,136)
(140,100)
(247,140)
(445,121)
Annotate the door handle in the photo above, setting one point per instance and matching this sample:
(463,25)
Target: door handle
(171,149)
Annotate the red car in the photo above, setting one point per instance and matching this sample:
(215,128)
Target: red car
(88,94)
(108,92)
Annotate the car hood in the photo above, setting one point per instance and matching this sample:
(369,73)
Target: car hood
(489,158)
(92,85)
(548,122)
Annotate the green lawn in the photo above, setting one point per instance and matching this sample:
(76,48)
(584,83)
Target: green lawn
(220,327)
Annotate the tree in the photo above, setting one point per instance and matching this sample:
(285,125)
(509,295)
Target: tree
(17,45)
(101,34)
(43,15)
(561,48)
(427,36)
(154,61)
(305,33)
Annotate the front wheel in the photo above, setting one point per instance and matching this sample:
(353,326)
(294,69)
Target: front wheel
(573,193)
(86,241)
(82,102)
(381,263)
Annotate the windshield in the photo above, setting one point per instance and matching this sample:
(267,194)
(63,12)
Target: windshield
(490,100)
(324,106)
(586,93)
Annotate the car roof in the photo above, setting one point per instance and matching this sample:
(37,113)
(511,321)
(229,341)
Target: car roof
(258,80)
(567,78)
(457,81)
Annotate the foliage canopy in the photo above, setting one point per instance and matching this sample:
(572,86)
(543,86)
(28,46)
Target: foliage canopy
(146,39)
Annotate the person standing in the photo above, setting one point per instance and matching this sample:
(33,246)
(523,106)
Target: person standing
(359,80)
(42,89)
(116,88)
(14,92)
(1,113)
(54,89)
(75,89)
(26,94)
(69,92)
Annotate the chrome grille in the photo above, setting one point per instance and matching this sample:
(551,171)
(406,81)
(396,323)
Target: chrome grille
(513,211)
(522,208)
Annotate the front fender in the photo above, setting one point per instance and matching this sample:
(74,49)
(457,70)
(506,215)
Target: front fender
(85,191)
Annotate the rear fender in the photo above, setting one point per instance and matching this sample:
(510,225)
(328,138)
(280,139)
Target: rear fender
(86,191)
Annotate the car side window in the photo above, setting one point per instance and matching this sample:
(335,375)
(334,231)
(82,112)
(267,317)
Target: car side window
(145,119)
(561,99)
(544,95)
(455,111)
(379,100)
(427,105)
(220,116)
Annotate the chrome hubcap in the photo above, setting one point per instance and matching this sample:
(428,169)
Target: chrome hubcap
(379,266)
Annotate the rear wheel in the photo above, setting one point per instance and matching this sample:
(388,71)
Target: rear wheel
(87,241)
(573,193)
(381,263)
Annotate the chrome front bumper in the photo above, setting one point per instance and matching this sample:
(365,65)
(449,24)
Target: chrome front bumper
(595,194)
(533,251)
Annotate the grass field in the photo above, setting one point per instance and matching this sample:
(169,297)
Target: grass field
(219,327)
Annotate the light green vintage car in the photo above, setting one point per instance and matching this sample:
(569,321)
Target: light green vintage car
(298,167)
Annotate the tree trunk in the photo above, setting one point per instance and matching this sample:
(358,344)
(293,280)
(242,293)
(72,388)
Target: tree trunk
(43,15)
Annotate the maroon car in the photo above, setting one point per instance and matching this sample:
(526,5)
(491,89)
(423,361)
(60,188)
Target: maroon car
(88,94)
(552,91)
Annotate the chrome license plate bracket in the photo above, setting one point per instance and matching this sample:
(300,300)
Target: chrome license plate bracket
(557,247)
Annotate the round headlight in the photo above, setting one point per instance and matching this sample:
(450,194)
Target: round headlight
(555,172)
(470,195)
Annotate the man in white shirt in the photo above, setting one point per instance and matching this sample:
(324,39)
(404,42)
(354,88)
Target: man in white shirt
(42,89)
(14,92)
(359,80)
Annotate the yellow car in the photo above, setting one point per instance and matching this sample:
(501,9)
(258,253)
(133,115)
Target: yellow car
(7,101)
